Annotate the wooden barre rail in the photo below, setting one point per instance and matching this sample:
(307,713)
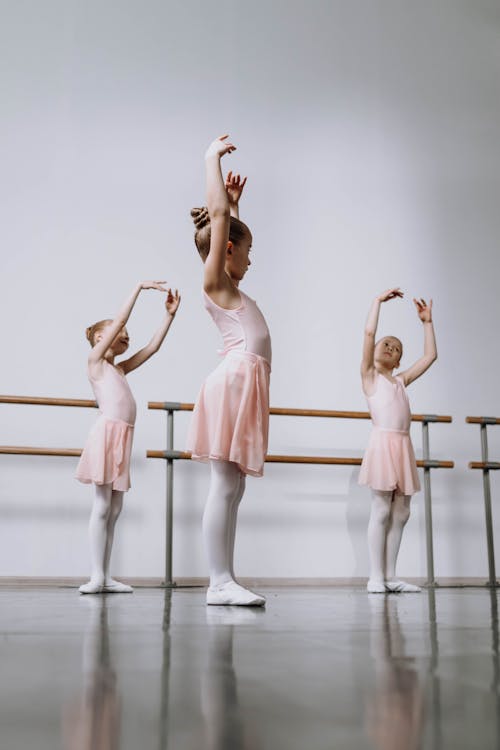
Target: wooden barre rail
(326,460)
(42,401)
(490,465)
(21,450)
(174,406)
(482,420)
(25,450)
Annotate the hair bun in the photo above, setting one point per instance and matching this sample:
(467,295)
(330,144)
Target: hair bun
(200,217)
(88,333)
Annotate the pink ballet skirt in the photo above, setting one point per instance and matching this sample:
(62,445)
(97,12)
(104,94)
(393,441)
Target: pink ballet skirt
(106,456)
(231,416)
(389,462)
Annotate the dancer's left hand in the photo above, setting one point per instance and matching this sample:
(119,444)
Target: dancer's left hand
(234,187)
(424,310)
(172,302)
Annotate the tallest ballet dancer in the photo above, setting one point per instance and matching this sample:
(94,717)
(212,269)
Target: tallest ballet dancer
(230,421)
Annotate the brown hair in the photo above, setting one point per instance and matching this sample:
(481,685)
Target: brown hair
(91,331)
(238,230)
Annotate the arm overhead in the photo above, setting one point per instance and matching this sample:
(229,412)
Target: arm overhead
(216,282)
(110,332)
(136,360)
(368,371)
(424,312)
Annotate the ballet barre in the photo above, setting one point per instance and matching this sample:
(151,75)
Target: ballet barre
(26,450)
(485,465)
(170,455)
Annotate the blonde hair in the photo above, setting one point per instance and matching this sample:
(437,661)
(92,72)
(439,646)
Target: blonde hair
(91,331)
(238,230)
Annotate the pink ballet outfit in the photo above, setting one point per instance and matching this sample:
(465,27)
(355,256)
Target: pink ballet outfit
(106,456)
(389,461)
(231,416)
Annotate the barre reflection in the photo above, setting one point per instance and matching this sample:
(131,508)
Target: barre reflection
(225,724)
(92,721)
(395,710)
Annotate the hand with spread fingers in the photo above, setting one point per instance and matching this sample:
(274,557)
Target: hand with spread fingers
(234,188)
(424,310)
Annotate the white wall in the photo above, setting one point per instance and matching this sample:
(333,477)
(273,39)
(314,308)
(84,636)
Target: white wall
(369,134)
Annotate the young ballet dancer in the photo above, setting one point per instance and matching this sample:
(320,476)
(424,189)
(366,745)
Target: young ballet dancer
(230,420)
(389,465)
(105,459)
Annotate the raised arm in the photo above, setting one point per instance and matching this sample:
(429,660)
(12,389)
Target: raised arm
(367,359)
(215,277)
(424,312)
(110,332)
(132,363)
(234,189)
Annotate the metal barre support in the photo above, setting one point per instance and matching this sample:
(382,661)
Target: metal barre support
(169,507)
(428,504)
(492,580)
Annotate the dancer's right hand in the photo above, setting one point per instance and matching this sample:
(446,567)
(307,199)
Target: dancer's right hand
(154,285)
(390,294)
(219,147)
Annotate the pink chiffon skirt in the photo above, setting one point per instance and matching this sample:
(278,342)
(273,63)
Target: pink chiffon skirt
(231,416)
(106,456)
(389,463)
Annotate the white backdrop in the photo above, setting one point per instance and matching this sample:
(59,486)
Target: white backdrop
(369,134)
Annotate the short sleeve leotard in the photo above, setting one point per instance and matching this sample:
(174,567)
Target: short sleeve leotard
(106,456)
(231,416)
(389,462)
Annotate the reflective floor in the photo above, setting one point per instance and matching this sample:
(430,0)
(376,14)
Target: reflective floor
(317,669)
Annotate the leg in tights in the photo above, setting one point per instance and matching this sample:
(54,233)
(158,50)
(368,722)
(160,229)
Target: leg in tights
(377,534)
(232,527)
(218,519)
(98,535)
(227,485)
(400,513)
(115,510)
(105,511)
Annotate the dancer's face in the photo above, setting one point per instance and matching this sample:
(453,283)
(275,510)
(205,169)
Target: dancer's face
(120,343)
(237,257)
(388,352)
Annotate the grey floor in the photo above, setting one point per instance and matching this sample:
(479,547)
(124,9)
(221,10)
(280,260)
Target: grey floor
(317,669)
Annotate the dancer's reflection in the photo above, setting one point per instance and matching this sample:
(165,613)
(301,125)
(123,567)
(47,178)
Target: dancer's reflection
(395,713)
(92,722)
(225,726)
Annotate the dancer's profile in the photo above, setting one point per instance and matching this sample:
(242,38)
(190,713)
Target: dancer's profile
(230,421)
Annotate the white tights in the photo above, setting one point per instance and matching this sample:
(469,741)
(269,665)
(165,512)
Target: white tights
(227,485)
(105,511)
(389,513)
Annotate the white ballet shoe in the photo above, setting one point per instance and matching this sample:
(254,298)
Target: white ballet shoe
(402,587)
(376,587)
(92,587)
(116,587)
(231,593)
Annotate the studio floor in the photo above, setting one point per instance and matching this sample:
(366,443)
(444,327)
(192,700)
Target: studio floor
(317,669)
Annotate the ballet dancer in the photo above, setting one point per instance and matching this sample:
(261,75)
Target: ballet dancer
(105,460)
(229,428)
(389,465)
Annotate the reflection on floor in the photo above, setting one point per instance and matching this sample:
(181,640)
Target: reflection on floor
(318,669)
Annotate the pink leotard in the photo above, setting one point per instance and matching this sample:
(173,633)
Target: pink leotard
(242,329)
(106,456)
(231,417)
(389,462)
